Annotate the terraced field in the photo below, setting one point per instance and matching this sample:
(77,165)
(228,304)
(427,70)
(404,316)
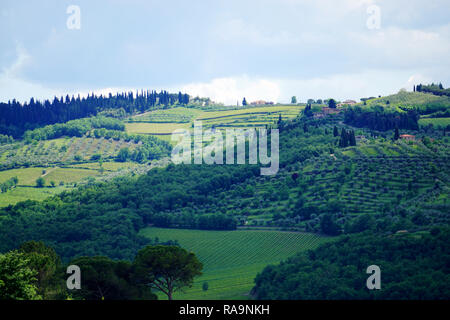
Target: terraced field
(162,123)
(47,152)
(380,175)
(436,122)
(232,259)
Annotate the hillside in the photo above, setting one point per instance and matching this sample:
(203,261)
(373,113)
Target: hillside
(109,199)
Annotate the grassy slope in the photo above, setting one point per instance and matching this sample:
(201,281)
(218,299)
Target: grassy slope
(28,193)
(409,99)
(166,121)
(436,122)
(233,258)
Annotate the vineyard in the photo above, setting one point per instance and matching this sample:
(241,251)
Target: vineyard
(162,123)
(436,122)
(231,259)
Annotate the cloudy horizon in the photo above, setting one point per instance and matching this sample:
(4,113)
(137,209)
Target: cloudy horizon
(225,50)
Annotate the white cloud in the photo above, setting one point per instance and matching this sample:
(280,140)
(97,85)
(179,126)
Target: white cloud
(406,47)
(12,86)
(233,89)
(339,86)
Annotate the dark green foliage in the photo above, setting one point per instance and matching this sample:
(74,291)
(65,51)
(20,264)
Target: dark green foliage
(344,140)
(308,111)
(328,225)
(44,261)
(332,103)
(436,89)
(15,118)
(396,134)
(17,279)
(9,184)
(123,155)
(74,128)
(105,279)
(166,268)
(377,118)
(40,182)
(104,219)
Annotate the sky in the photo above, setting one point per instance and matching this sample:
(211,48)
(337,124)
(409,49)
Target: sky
(226,50)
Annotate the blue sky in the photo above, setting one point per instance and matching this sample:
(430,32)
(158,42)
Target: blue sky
(261,49)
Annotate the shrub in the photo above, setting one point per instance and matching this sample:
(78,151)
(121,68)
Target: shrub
(40,182)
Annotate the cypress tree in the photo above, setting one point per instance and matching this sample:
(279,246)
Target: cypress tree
(343,142)
(396,134)
(352,139)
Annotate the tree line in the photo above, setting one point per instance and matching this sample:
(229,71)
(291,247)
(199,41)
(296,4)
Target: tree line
(377,118)
(16,117)
(436,89)
(73,128)
(34,271)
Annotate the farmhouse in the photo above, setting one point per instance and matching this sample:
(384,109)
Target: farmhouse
(347,102)
(326,110)
(407,137)
(318,115)
(360,138)
(260,103)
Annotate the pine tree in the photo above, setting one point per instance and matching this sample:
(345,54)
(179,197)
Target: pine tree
(332,103)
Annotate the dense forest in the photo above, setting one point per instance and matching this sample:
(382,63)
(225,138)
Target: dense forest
(16,118)
(413,266)
(377,118)
(104,219)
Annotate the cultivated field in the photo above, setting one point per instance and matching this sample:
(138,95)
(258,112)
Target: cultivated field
(231,259)
(436,122)
(162,123)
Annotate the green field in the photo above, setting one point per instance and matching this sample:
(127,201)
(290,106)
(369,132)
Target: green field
(154,128)
(231,259)
(406,99)
(162,123)
(179,114)
(28,193)
(28,176)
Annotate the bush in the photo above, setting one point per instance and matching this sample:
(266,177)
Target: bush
(40,182)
